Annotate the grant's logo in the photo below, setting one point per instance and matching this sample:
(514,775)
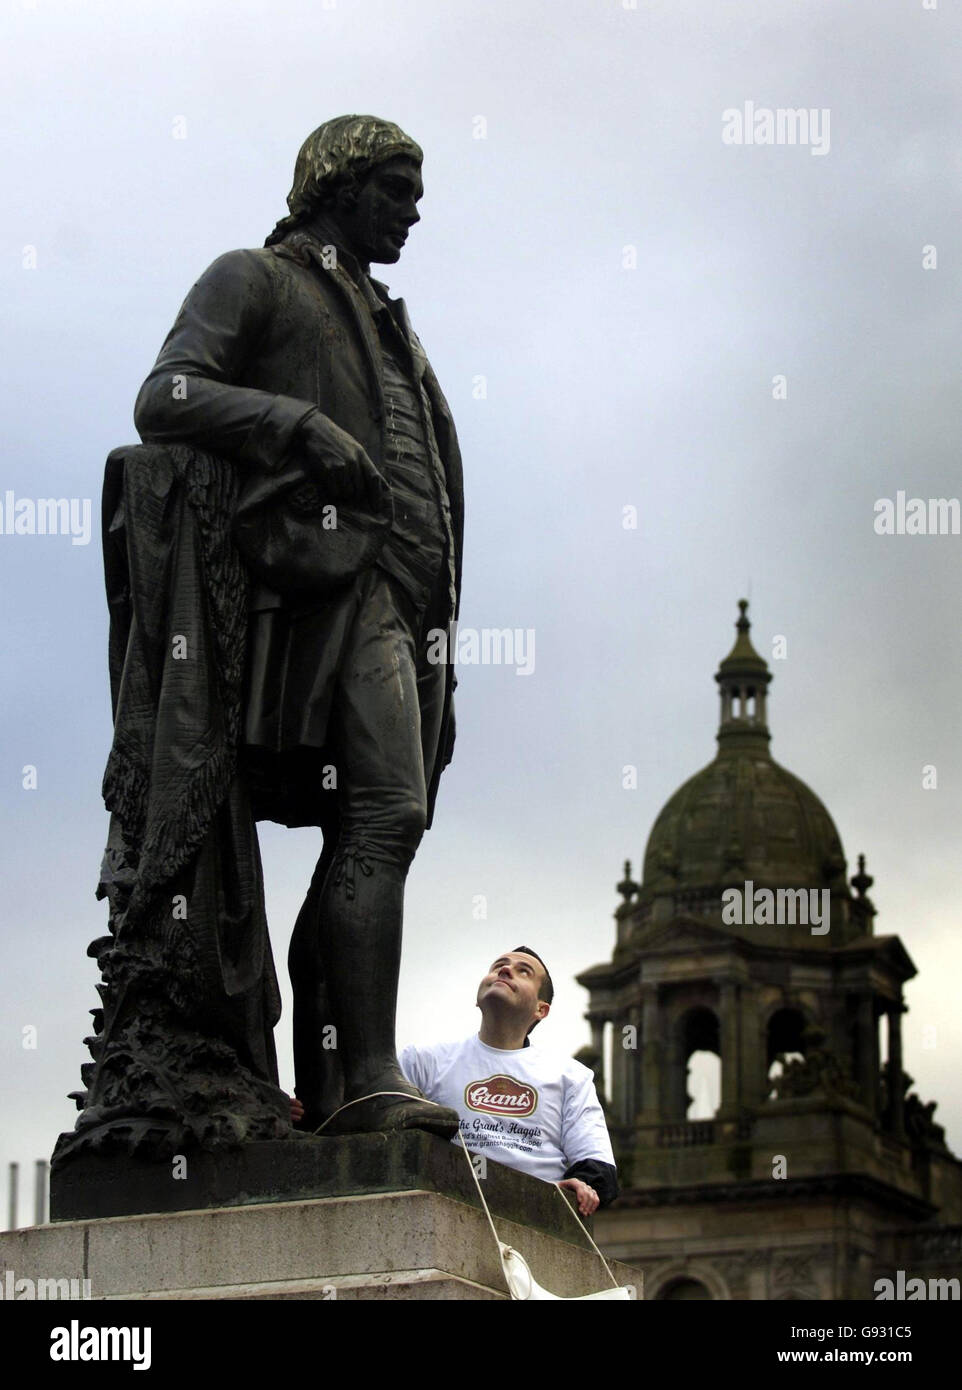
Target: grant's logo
(501,1095)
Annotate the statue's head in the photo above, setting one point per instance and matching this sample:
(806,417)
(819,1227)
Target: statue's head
(363,175)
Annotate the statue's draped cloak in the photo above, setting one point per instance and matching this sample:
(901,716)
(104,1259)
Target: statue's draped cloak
(180,814)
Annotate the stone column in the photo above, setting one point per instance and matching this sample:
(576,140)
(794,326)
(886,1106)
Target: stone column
(730,1058)
(760,711)
(630,1064)
(617,1093)
(652,1051)
(897,1107)
(866,1053)
(753,1058)
(674,1094)
(598,1046)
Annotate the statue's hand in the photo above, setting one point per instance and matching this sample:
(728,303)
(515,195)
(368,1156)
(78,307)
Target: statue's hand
(340,465)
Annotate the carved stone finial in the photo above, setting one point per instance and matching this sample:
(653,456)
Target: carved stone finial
(627,887)
(862,881)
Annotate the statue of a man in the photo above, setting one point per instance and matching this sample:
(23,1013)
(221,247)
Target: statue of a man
(295,373)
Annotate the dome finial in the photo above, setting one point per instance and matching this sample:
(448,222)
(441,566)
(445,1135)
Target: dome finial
(627,887)
(861,881)
(743,678)
(863,909)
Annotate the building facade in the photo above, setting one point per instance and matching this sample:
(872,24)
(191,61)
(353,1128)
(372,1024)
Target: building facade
(817,1175)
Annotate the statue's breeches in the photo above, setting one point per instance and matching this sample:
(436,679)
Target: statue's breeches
(352,685)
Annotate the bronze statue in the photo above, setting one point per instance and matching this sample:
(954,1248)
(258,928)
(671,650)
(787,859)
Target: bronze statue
(275,552)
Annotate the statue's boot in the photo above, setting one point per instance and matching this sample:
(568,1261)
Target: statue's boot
(386,1108)
(359,923)
(319,1076)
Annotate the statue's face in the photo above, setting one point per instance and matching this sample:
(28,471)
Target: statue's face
(376,223)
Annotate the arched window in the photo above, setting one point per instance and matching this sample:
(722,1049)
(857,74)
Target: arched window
(785,1029)
(704,1085)
(701,1056)
(683,1288)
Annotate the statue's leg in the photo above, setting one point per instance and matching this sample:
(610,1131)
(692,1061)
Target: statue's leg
(318,1075)
(382,796)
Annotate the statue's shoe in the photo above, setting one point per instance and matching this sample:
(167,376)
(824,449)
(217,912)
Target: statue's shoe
(391,1111)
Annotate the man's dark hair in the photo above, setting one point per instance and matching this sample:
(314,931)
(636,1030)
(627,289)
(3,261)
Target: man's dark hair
(545,989)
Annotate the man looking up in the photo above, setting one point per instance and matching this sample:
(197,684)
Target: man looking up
(528,1108)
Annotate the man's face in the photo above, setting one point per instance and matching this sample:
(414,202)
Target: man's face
(376,223)
(512,985)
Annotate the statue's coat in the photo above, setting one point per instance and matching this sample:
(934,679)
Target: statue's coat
(264,337)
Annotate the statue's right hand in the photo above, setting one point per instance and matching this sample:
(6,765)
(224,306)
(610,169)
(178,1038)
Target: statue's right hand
(340,466)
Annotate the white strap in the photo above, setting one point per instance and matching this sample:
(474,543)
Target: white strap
(405,1095)
(510,1256)
(481,1195)
(588,1234)
(505,1252)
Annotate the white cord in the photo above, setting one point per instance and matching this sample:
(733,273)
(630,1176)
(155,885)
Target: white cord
(588,1234)
(405,1096)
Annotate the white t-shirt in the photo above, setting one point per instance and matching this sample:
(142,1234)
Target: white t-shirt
(528,1108)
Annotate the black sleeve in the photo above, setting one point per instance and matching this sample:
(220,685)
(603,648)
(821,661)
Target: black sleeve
(603,1177)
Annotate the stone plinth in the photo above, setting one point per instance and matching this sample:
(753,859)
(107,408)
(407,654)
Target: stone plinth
(359,1217)
(403,1245)
(298,1169)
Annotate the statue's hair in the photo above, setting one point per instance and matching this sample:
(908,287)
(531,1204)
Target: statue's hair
(338,154)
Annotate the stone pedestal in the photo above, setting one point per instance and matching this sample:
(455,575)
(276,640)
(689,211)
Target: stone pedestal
(364,1217)
(410,1245)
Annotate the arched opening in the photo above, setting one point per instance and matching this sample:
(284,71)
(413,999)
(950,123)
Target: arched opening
(683,1289)
(704,1085)
(701,1058)
(785,1028)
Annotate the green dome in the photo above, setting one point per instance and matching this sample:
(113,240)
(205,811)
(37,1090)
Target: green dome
(742,817)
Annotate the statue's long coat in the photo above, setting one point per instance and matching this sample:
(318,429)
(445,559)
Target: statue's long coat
(264,336)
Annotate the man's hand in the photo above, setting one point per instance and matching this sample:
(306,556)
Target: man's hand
(297,1110)
(340,466)
(585,1196)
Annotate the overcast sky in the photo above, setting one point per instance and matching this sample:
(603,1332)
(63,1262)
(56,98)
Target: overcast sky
(607,291)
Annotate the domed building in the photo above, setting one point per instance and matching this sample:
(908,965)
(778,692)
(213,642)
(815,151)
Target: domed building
(816,1176)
